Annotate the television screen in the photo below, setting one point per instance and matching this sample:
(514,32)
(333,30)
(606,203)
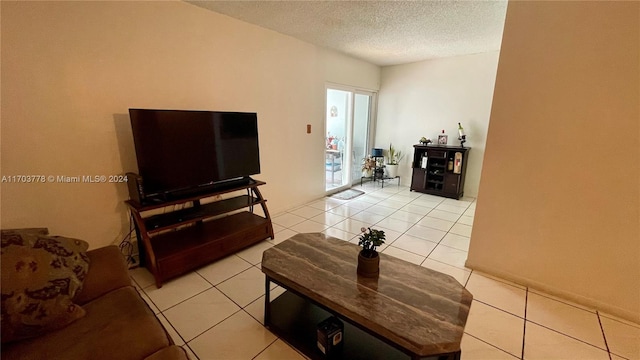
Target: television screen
(179,150)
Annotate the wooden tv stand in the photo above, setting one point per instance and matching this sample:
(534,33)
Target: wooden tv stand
(206,227)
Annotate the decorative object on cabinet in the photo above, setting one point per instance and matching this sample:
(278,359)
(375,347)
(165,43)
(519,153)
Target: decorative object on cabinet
(443,138)
(461,135)
(424,141)
(443,171)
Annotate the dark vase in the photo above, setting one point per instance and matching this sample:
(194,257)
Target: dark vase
(368,266)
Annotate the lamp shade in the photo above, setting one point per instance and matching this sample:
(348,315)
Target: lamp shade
(376,152)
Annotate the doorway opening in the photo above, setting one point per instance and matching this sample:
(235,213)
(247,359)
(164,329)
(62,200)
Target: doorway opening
(349,133)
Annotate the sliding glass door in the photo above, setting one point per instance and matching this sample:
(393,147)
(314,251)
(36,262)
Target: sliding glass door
(348,136)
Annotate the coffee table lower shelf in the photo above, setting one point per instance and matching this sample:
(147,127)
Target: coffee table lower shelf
(295,320)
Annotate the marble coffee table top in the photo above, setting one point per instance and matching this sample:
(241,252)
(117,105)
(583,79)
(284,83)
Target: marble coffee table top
(419,309)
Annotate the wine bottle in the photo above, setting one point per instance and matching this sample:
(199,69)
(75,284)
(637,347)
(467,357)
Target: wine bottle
(460,131)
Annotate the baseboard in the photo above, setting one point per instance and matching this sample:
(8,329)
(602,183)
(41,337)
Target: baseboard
(561,293)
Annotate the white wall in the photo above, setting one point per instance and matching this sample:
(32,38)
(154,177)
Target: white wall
(423,98)
(559,201)
(71,71)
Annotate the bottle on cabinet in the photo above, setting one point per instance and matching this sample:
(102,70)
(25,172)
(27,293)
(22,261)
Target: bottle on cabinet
(461,135)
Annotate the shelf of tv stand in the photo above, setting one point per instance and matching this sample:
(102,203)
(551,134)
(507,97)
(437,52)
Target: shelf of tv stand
(207,192)
(160,222)
(178,241)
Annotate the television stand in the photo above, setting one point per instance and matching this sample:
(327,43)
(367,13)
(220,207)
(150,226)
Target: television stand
(206,227)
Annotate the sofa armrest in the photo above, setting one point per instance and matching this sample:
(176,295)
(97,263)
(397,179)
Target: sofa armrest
(107,272)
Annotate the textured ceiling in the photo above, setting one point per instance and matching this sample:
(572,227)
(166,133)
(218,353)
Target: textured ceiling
(380,32)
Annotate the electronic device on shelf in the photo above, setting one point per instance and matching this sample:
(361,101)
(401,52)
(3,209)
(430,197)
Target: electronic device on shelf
(182,152)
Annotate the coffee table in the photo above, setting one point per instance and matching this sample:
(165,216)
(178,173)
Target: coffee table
(408,312)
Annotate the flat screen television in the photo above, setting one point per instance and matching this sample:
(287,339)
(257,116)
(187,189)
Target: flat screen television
(184,151)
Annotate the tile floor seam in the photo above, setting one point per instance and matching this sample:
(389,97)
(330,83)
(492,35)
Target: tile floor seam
(604,336)
(189,298)
(211,327)
(173,327)
(467,282)
(431,252)
(227,296)
(263,350)
(397,248)
(430,227)
(567,335)
(497,308)
(524,328)
(450,212)
(490,344)
(253,317)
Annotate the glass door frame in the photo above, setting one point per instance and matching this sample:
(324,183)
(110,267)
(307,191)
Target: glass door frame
(373,96)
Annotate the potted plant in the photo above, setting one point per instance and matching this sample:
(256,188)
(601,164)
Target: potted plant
(368,258)
(393,159)
(368,165)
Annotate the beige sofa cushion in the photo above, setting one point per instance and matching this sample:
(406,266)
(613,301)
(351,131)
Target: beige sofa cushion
(107,272)
(118,325)
(40,276)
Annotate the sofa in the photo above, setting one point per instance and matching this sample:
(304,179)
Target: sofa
(105,318)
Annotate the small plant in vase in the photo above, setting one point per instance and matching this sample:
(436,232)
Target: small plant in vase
(394,157)
(368,165)
(368,258)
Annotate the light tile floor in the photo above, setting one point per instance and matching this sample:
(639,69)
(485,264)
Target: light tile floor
(216,312)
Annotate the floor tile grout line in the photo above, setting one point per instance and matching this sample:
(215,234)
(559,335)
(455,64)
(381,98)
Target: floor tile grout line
(567,335)
(524,329)
(173,327)
(490,344)
(181,301)
(469,277)
(604,336)
(203,291)
(263,350)
(216,324)
(497,308)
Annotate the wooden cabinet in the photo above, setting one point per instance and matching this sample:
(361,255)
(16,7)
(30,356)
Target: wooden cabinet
(439,170)
(177,236)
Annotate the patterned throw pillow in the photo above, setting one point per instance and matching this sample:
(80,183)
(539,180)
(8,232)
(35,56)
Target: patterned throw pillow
(40,276)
